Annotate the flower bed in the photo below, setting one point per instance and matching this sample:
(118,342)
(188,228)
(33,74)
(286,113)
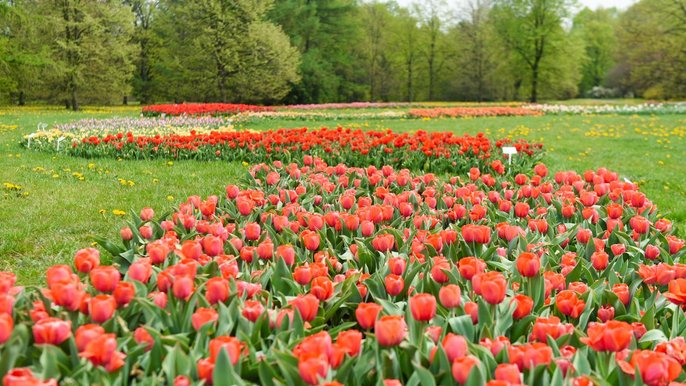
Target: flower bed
(468,112)
(143,126)
(314,116)
(331,274)
(201,109)
(437,152)
(643,108)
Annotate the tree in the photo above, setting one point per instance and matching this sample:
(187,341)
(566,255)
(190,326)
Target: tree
(532,29)
(477,64)
(325,33)
(223,50)
(23,56)
(651,52)
(90,46)
(144,13)
(406,40)
(432,15)
(597,31)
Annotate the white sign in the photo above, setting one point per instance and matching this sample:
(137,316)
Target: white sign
(509,151)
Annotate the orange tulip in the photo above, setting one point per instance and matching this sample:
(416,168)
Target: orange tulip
(390,330)
(612,336)
(656,368)
(366,314)
(423,307)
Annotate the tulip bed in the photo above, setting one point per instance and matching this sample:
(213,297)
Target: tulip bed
(201,109)
(435,152)
(329,274)
(88,129)
(470,112)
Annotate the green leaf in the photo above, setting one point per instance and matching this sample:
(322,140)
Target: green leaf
(224,374)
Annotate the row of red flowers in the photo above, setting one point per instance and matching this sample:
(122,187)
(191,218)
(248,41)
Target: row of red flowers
(201,109)
(429,151)
(338,275)
(469,112)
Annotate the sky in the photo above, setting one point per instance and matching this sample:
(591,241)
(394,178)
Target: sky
(593,4)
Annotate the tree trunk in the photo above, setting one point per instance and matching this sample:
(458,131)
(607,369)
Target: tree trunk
(126,100)
(74,102)
(22,98)
(534,85)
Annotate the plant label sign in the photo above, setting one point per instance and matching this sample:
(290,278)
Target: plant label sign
(509,151)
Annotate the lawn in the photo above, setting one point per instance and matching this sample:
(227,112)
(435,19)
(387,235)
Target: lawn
(64,202)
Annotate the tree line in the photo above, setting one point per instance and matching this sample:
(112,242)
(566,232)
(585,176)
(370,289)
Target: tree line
(75,52)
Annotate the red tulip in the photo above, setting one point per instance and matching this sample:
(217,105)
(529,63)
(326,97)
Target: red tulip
(102,351)
(390,330)
(307,306)
(528,264)
(394,284)
(143,337)
(423,307)
(612,336)
(51,331)
(600,260)
(140,270)
(544,327)
(234,348)
(312,369)
(524,306)
(472,309)
(101,308)
(470,266)
(383,242)
(366,314)
(86,259)
(24,377)
(124,292)
(350,341)
(508,373)
(252,310)
(622,292)
(216,290)
(311,240)
(322,288)
(6,327)
(491,285)
(677,292)
(202,316)
(105,278)
(479,234)
(450,296)
(455,346)
(655,368)
(462,367)
(528,356)
(606,313)
(569,304)
(287,253)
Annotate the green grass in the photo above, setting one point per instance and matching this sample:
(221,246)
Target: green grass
(62,214)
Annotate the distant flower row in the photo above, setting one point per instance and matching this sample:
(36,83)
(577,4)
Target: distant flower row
(147,126)
(201,109)
(438,152)
(644,108)
(468,112)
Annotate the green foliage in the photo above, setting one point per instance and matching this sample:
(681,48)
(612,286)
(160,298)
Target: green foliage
(597,31)
(216,50)
(90,48)
(532,30)
(316,51)
(651,55)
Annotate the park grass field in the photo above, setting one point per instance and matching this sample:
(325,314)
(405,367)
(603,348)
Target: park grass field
(63,202)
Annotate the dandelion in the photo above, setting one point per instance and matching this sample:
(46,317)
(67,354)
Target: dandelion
(118,212)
